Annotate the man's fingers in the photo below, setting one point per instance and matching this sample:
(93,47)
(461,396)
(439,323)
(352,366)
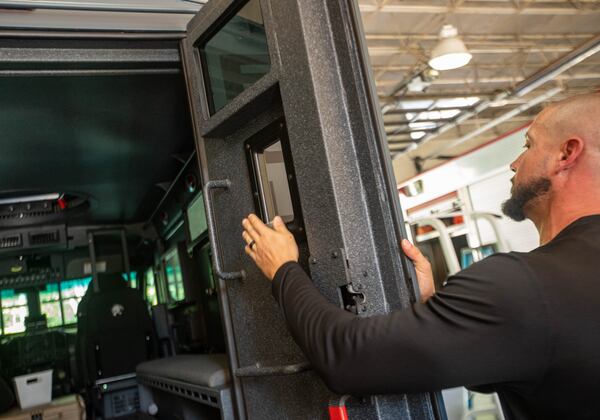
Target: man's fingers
(258,224)
(249,228)
(412,251)
(279,225)
(247,238)
(250,252)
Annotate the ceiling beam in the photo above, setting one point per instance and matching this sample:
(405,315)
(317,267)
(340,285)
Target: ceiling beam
(505,66)
(472,121)
(491,49)
(480,37)
(494,80)
(531,9)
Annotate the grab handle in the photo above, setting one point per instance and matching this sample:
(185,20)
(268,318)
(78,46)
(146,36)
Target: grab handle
(259,370)
(212,230)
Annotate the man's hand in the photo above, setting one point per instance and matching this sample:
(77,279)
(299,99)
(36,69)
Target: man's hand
(269,248)
(423,269)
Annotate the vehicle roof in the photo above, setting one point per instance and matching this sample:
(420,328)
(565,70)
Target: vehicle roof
(113,137)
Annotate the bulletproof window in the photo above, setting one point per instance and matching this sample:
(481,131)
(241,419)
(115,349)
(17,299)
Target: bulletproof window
(50,304)
(235,57)
(174,276)
(14,311)
(131,280)
(273,179)
(71,293)
(150,292)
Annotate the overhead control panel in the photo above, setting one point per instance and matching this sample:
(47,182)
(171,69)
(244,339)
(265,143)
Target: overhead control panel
(22,240)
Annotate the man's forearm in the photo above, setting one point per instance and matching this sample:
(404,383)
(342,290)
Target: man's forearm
(352,355)
(448,341)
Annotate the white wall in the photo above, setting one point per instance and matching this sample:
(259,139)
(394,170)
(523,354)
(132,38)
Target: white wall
(467,169)
(485,173)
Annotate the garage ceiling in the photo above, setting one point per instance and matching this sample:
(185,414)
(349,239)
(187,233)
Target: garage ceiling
(510,40)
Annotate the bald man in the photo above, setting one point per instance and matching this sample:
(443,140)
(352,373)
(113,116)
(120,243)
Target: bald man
(524,325)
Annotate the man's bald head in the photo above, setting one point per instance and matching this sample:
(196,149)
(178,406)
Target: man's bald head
(577,116)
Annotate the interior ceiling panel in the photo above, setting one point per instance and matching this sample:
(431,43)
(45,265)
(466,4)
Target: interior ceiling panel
(110,137)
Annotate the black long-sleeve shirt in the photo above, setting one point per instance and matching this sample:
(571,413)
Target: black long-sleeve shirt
(525,325)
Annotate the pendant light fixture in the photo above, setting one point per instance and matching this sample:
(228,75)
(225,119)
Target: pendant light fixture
(450,52)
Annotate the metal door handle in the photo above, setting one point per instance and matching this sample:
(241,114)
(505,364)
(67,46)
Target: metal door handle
(259,370)
(212,230)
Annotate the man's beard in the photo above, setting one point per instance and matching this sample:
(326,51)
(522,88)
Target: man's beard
(521,196)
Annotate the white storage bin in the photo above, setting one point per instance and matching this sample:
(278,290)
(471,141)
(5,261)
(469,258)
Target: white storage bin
(34,389)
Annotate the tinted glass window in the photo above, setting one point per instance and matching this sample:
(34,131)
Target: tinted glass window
(236,56)
(14,311)
(50,305)
(274,186)
(132,279)
(151,296)
(72,291)
(174,276)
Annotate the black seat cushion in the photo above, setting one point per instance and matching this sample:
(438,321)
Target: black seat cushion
(208,370)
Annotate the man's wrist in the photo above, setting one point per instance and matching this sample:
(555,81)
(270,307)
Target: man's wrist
(279,268)
(279,277)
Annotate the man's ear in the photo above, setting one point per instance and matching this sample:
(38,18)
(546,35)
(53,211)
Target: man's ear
(569,153)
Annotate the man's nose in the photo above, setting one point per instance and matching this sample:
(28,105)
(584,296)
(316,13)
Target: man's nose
(513,166)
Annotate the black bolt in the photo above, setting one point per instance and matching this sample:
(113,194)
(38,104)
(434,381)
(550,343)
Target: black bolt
(313,260)
(334,255)
(365,274)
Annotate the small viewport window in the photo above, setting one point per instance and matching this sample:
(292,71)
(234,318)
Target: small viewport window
(235,57)
(273,179)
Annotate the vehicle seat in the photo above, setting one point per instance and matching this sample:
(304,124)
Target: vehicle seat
(114,330)
(197,384)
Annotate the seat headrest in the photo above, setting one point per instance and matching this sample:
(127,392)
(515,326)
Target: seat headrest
(112,281)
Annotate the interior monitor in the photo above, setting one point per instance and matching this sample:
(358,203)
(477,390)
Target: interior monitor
(195,216)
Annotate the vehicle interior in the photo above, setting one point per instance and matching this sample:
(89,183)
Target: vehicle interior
(104,256)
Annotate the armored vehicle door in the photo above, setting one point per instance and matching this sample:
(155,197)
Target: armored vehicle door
(286,123)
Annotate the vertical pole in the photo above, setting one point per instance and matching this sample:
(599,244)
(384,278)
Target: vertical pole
(125,255)
(60,303)
(93,258)
(1,317)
